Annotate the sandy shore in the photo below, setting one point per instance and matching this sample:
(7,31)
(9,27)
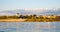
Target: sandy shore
(27,20)
(12,20)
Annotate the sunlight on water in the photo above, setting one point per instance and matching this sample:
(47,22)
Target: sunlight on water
(29,26)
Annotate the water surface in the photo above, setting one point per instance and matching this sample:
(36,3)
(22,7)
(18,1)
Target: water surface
(29,26)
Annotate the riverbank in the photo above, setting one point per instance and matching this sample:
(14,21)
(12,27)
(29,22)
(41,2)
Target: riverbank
(12,20)
(28,20)
(43,20)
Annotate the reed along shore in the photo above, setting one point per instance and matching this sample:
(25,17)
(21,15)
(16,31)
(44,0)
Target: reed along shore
(30,18)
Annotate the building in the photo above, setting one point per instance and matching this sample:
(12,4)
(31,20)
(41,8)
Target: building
(17,14)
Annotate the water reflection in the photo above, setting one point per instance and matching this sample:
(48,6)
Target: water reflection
(30,26)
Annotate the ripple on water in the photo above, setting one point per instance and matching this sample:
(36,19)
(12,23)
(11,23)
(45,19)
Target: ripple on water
(29,26)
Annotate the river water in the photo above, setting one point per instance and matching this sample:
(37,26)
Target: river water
(29,26)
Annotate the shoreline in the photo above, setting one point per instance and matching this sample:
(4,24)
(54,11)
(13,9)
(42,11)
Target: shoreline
(12,20)
(28,20)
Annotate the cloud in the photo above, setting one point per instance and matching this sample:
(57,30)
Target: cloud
(37,11)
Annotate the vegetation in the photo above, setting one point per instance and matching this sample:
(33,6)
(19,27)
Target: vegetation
(8,17)
(33,17)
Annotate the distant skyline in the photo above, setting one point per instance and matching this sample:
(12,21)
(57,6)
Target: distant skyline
(32,4)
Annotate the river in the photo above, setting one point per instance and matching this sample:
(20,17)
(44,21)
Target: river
(29,26)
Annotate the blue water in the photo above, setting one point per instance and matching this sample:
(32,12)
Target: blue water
(29,27)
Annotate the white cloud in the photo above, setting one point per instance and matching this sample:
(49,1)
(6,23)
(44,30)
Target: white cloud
(7,14)
(31,11)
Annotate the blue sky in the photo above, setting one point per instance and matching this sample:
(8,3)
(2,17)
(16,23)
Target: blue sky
(22,4)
